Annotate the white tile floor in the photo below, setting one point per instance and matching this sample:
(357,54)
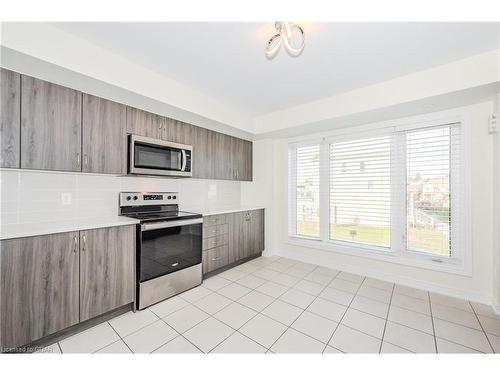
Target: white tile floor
(279,305)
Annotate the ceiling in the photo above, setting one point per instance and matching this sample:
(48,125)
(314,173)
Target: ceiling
(226,60)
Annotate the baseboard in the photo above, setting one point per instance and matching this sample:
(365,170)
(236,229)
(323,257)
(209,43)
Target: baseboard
(407,281)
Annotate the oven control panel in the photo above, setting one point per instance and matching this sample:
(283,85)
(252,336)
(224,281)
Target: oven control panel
(142,199)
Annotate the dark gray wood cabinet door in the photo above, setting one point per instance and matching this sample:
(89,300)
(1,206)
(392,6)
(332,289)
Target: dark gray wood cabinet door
(256,232)
(223,167)
(10,123)
(106,269)
(178,132)
(104,144)
(236,223)
(203,153)
(145,123)
(39,287)
(247,164)
(50,126)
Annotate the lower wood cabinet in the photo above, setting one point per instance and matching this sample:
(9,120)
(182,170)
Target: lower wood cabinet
(228,238)
(106,270)
(39,287)
(52,282)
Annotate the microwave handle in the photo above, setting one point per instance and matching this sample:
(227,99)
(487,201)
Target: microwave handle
(184,160)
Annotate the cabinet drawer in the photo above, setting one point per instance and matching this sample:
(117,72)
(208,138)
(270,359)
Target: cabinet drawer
(211,242)
(214,230)
(215,258)
(215,219)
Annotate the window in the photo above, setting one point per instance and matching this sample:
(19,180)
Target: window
(395,193)
(429,155)
(306,186)
(360,195)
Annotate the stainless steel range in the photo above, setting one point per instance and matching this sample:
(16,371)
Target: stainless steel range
(169,245)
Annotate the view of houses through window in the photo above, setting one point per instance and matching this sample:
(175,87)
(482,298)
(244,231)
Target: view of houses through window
(359,181)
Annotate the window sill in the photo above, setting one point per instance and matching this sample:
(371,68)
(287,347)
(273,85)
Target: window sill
(372,252)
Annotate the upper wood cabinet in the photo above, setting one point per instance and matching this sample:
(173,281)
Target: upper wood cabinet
(203,161)
(107,277)
(145,123)
(10,124)
(50,126)
(104,141)
(38,288)
(178,132)
(223,160)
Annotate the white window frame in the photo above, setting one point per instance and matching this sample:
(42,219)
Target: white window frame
(461,260)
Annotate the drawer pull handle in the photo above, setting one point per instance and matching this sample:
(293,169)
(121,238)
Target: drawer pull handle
(175,264)
(214,259)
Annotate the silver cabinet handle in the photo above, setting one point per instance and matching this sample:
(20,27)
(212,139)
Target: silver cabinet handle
(214,259)
(78,159)
(84,242)
(85,160)
(76,245)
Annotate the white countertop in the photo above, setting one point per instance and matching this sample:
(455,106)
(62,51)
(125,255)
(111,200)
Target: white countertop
(218,211)
(37,229)
(19,230)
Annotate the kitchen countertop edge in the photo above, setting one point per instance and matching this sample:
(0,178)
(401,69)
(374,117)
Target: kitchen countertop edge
(12,231)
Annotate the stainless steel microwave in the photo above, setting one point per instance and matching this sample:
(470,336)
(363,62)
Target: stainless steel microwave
(149,156)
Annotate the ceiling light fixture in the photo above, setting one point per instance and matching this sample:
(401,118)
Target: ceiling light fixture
(284,36)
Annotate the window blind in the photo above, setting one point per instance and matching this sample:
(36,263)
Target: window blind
(306,170)
(432,173)
(360,191)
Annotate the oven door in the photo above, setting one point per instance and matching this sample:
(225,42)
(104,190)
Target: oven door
(167,247)
(156,157)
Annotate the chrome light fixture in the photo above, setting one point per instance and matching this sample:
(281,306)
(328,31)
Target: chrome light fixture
(284,36)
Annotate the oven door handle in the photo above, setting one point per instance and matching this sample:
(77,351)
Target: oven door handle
(170,224)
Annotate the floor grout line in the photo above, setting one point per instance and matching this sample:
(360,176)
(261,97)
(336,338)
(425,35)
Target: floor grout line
(121,338)
(481,325)
(345,312)
(386,319)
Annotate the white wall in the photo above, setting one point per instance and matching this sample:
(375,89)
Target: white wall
(31,196)
(496,205)
(479,287)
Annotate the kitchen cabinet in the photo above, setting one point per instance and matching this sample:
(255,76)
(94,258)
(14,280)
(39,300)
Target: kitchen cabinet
(104,143)
(223,167)
(145,123)
(39,287)
(51,282)
(229,238)
(178,132)
(236,240)
(10,124)
(106,270)
(253,233)
(203,153)
(241,159)
(50,126)
(215,258)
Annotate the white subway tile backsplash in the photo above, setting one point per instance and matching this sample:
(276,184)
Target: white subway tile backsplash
(34,196)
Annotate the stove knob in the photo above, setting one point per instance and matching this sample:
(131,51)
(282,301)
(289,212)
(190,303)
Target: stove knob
(174,197)
(135,197)
(169,197)
(129,197)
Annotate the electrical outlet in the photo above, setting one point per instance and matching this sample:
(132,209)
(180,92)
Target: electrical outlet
(493,125)
(66,198)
